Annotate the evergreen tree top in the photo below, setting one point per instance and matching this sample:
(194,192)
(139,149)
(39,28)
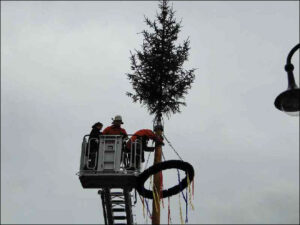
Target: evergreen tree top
(158,79)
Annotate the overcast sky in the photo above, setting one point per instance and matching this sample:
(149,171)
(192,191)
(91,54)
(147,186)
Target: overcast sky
(63,68)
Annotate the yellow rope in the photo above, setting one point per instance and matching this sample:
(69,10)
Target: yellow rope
(180,210)
(190,194)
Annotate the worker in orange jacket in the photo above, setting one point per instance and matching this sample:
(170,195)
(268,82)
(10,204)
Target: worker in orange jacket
(143,137)
(115,128)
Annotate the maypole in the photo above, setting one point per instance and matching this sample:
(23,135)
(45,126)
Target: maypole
(157,178)
(159,81)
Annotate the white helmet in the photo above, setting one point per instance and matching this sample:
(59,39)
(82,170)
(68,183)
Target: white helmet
(118,118)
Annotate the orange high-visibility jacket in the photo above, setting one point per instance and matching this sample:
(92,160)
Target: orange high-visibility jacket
(149,134)
(114,130)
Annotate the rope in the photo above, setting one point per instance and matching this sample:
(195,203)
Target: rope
(162,153)
(147,160)
(172,146)
(178,175)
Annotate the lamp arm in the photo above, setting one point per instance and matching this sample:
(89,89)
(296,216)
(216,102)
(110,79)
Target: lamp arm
(291,53)
(289,68)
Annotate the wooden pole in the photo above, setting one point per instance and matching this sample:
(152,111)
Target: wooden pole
(157,183)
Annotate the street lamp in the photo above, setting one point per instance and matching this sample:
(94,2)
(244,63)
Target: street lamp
(288,101)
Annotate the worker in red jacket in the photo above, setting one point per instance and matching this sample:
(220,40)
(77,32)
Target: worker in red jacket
(115,128)
(143,136)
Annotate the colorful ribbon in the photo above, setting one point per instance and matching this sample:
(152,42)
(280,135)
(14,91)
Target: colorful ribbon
(190,193)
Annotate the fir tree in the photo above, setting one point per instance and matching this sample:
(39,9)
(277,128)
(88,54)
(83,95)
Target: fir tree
(158,79)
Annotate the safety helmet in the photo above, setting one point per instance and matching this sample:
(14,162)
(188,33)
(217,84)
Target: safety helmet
(118,118)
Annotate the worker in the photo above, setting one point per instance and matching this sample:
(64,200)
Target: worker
(115,128)
(93,144)
(96,130)
(143,135)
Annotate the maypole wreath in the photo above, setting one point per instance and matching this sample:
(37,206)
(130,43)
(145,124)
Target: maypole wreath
(170,164)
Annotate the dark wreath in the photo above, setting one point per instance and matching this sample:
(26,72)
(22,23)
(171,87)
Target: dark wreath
(170,164)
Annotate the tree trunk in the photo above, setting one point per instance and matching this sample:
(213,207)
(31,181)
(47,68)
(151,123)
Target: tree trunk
(157,184)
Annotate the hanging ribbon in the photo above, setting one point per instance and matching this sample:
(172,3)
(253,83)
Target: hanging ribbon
(143,202)
(155,196)
(184,197)
(161,188)
(148,211)
(144,208)
(193,187)
(147,205)
(180,211)
(178,176)
(152,191)
(157,201)
(169,212)
(186,208)
(190,193)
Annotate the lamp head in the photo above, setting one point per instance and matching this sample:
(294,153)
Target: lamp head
(289,101)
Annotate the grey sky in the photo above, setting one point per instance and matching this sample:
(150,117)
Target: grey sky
(63,67)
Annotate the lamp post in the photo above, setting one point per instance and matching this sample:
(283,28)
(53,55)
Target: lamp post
(289,100)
